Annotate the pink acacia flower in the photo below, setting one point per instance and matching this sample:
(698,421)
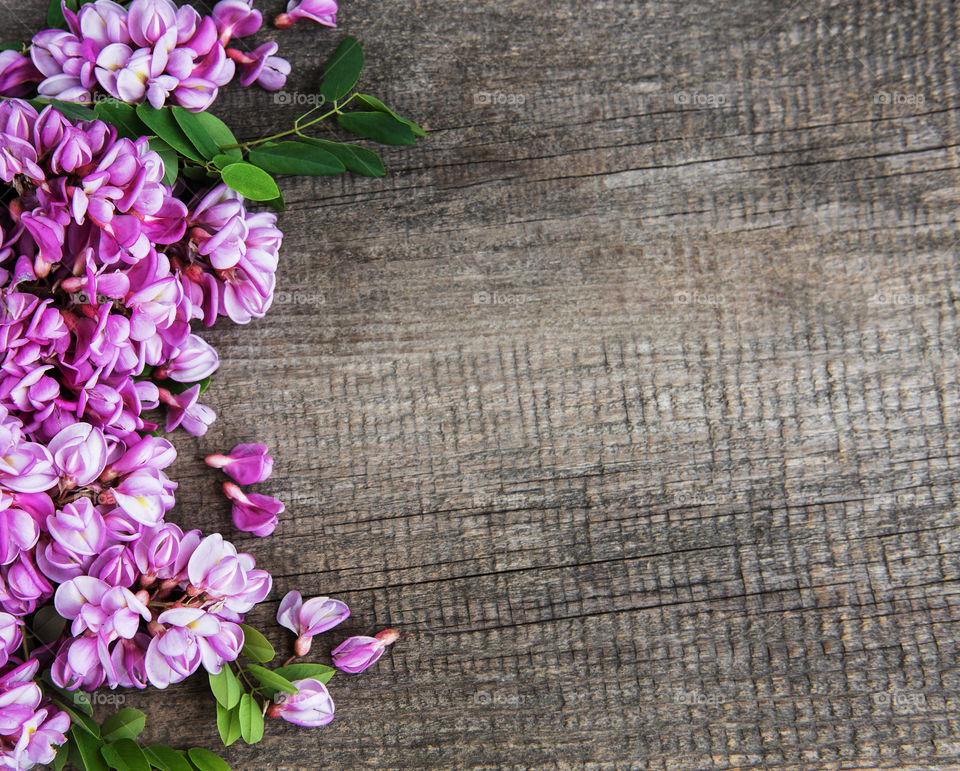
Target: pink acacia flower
(107,611)
(321,11)
(355,654)
(30,728)
(245,464)
(80,453)
(25,467)
(216,569)
(19,531)
(253,512)
(17,74)
(184,409)
(262,66)
(236,18)
(310,618)
(311,706)
(184,639)
(11,635)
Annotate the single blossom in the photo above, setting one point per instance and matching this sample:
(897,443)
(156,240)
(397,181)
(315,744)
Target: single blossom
(321,11)
(11,635)
(245,464)
(184,409)
(184,639)
(311,706)
(253,512)
(236,18)
(357,653)
(262,66)
(310,618)
(17,74)
(80,453)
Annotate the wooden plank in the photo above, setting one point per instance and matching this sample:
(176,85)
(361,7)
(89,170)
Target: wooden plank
(629,397)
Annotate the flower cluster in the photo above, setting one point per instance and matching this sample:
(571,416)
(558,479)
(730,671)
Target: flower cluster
(103,268)
(30,727)
(111,261)
(151,51)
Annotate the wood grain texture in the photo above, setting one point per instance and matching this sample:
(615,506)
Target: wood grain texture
(629,397)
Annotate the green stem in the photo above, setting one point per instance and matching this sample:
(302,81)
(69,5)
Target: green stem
(295,130)
(242,672)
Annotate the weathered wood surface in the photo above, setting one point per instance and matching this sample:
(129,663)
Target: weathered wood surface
(683,493)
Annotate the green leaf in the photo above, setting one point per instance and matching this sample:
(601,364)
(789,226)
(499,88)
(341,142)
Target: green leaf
(256,647)
(122,116)
(15,45)
(80,720)
(207,133)
(220,160)
(171,161)
(300,158)
(342,71)
(48,625)
(226,688)
(125,724)
(375,104)
(89,748)
(357,159)
(250,182)
(378,126)
(251,719)
(162,123)
(63,753)
(125,755)
(228,724)
(272,679)
(166,758)
(306,671)
(206,760)
(70,110)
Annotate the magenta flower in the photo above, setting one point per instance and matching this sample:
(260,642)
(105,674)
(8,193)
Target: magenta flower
(22,586)
(245,464)
(306,619)
(149,20)
(78,663)
(184,409)
(357,653)
(195,360)
(312,706)
(17,74)
(107,611)
(29,731)
(217,569)
(185,639)
(262,66)
(78,529)
(128,661)
(235,18)
(253,512)
(25,467)
(18,530)
(80,453)
(321,11)
(11,635)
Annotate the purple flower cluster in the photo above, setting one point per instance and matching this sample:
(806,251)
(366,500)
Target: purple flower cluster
(102,269)
(30,727)
(151,51)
